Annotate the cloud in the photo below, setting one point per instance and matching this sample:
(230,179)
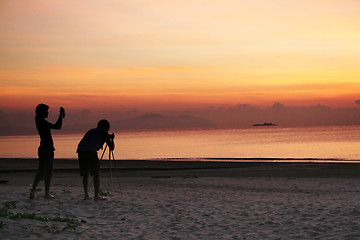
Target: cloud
(277,106)
(357,101)
(164,68)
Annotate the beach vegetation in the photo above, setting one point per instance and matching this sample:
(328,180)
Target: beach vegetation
(71,223)
(101,193)
(4,213)
(10,204)
(52,229)
(57,229)
(2,224)
(70,226)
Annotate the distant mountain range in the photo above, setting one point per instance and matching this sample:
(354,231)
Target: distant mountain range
(158,121)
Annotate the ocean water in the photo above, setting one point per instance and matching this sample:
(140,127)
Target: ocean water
(330,143)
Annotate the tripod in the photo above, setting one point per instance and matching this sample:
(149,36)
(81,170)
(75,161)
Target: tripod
(111,158)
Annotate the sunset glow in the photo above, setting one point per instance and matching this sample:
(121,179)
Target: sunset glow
(139,53)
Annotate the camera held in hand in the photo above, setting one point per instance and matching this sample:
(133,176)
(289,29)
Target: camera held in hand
(62,112)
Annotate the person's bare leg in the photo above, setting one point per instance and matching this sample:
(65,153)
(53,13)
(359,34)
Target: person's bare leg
(47,190)
(97,188)
(85,186)
(34,186)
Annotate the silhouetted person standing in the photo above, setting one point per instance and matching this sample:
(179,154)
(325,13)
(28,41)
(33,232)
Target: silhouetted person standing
(46,148)
(89,161)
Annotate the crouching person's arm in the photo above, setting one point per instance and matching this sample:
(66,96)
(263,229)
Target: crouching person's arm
(110,142)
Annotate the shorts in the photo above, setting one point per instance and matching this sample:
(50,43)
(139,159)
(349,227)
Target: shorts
(46,159)
(89,163)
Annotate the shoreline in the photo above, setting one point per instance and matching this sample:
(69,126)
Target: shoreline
(200,168)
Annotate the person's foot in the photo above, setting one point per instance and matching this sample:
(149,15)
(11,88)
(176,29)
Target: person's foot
(99,198)
(87,198)
(31,195)
(49,196)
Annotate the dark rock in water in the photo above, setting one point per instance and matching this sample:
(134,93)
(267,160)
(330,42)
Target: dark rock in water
(264,124)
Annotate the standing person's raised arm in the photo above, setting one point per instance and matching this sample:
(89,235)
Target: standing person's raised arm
(58,123)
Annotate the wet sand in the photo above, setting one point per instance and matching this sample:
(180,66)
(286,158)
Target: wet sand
(201,168)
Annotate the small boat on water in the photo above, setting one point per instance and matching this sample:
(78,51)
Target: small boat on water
(264,124)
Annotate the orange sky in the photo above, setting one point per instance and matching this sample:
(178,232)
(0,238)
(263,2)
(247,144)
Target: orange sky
(142,53)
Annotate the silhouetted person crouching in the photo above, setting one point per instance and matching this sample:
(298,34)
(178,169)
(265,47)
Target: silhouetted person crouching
(89,162)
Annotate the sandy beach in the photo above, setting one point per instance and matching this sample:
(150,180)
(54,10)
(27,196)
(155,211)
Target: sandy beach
(185,200)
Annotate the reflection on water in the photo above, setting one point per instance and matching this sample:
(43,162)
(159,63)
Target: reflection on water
(339,142)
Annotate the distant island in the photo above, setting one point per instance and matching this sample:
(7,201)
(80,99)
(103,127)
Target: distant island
(264,124)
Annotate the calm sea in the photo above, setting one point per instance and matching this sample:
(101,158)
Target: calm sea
(300,143)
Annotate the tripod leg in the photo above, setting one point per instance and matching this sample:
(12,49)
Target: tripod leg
(103,152)
(110,169)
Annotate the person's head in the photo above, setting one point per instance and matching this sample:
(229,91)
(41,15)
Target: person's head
(41,111)
(104,124)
